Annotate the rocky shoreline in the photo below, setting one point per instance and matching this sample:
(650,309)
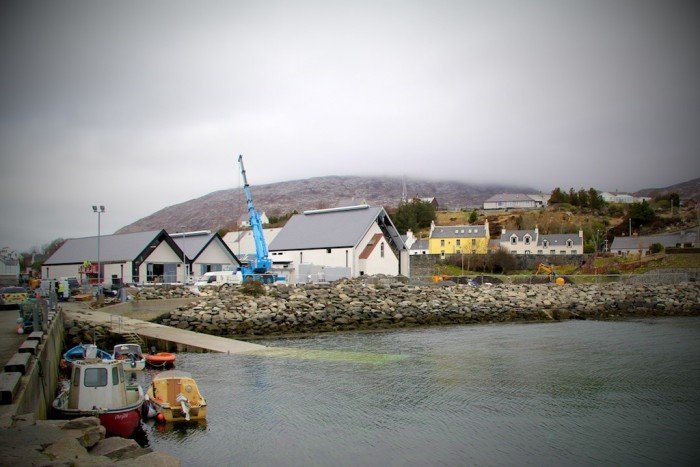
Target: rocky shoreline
(80,441)
(385,303)
(381,303)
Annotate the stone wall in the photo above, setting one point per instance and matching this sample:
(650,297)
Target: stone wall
(382,303)
(423,266)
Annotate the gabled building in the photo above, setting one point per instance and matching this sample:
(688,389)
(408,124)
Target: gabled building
(531,242)
(138,258)
(640,245)
(624,198)
(516,201)
(456,239)
(354,241)
(205,252)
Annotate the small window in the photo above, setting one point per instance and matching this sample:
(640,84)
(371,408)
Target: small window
(473,251)
(328,250)
(552,252)
(545,243)
(573,252)
(527,239)
(442,242)
(76,376)
(211,279)
(381,249)
(513,240)
(563,252)
(442,254)
(459,242)
(95,377)
(527,252)
(569,243)
(539,252)
(115,375)
(473,241)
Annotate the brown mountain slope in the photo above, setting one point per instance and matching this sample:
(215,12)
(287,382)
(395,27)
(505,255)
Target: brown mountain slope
(222,209)
(686,190)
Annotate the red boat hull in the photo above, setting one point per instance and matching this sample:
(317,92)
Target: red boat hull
(121,423)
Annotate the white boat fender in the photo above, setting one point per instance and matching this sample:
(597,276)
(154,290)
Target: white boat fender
(185,404)
(151,411)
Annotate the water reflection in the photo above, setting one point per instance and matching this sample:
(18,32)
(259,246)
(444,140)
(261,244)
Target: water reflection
(564,393)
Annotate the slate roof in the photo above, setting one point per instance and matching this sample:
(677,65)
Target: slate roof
(459,231)
(193,244)
(645,241)
(117,248)
(560,239)
(509,197)
(505,237)
(326,228)
(420,244)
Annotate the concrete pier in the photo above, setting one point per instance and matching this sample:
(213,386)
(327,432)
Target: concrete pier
(183,340)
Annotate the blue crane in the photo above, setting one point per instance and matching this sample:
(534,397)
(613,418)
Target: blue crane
(258,268)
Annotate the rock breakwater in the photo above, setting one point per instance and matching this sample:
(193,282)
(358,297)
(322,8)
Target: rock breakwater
(384,303)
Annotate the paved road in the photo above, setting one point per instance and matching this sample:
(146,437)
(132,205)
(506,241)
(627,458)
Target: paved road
(9,339)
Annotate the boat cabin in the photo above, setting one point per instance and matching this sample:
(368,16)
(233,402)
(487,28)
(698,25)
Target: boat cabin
(97,384)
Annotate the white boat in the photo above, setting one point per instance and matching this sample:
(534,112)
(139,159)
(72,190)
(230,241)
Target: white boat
(98,388)
(130,356)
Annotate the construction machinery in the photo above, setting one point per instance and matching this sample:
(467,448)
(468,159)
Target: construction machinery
(259,267)
(549,270)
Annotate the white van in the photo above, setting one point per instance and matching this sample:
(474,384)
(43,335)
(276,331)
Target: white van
(219,278)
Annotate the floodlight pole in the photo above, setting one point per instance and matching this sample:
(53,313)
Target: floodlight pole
(99,211)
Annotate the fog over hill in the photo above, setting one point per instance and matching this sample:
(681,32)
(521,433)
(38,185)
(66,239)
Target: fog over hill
(686,190)
(222,209)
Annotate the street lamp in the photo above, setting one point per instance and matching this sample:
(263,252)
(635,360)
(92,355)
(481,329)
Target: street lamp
(99,211)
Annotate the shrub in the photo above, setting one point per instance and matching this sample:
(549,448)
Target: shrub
(656,248)
(253,288)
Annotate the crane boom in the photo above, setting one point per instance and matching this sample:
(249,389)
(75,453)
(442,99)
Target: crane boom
(262,262)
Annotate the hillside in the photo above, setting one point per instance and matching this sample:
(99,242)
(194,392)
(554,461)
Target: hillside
(686,190)
(221,209)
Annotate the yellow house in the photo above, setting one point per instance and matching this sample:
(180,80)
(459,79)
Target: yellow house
(456,239)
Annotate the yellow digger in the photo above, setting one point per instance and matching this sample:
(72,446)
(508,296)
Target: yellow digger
(549,270)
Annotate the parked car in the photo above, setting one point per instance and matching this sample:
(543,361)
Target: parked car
(12,296)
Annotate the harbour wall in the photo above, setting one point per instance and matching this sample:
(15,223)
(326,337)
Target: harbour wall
(384,303)
(38,386)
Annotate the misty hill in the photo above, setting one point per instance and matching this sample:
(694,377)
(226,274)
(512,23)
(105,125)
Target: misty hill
(686,190)
(222,209)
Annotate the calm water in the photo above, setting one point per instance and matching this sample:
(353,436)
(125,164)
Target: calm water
(570,393)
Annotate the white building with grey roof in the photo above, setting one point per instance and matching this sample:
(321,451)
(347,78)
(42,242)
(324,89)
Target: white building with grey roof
(641,244)
(516,201)
(134,258)
(532,242)
(357,240)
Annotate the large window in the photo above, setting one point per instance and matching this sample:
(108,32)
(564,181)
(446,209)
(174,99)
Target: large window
(205,268)
(95,377)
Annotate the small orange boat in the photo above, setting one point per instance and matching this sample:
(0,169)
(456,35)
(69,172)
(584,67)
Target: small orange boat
(160,360)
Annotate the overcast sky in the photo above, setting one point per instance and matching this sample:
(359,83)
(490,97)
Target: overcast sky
(139,105)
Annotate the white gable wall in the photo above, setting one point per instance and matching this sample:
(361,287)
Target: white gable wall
(162,254)
(214,253)
(375,264)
